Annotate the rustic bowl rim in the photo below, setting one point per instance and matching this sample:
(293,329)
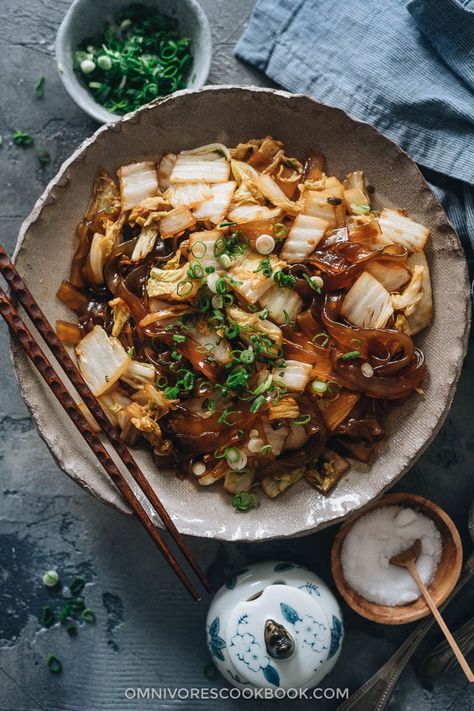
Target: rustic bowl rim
(397,614)
(214,531)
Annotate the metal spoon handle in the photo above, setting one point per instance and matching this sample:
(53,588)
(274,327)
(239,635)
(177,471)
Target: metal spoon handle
(376,692)
(441,658)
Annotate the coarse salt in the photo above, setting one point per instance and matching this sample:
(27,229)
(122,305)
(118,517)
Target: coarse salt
(374,539)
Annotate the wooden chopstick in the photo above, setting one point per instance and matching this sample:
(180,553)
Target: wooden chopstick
(24,296)
(19,329)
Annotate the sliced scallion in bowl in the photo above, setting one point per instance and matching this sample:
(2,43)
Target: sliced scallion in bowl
(137,57)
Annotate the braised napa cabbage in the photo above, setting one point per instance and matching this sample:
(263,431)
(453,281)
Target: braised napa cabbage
(247,315)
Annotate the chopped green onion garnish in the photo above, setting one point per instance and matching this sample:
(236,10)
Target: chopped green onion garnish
(54,664)
(311,283)
(47,616)
(199,249)
(219,246)
(206,348)
(247,356)
(77,604)
(171,393)
(288,321)
(264,267)
(50,578)
(360,209)
(136,57)
(184,287)
(178,338)
(245,501)
(204,303)
(238,379)
(292,164)
(64,614)
(323,336)
(232,330)
(104,62)
(264,313)
(186,380)
(266,449)
(221,286)
(195,270)
(223,419)
(219,453)
(39,87)
(303,420)
(161,382)
(176,356)
(257,404)
(284,281)
(210,269)
(263,386)
(351,355)
(71,628)
(280,230)
(225,260)
(209,405)
(22,138)
(319,386)
(232,454)
(88,616)
(77,586)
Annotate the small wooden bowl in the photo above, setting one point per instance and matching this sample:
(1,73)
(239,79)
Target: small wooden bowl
(446,576)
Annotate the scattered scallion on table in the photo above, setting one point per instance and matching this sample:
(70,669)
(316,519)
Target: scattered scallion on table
(135,59)
(245,501)
(22,138)
(54,664)
(39,87)
(43,156)
(50,578)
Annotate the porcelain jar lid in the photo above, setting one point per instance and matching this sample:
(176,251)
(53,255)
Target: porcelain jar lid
(281,637)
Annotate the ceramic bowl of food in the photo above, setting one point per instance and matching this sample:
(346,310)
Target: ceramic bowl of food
(229,116)
(444,579)
(87,19)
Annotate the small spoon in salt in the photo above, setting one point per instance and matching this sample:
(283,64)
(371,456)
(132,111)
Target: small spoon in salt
(407,559)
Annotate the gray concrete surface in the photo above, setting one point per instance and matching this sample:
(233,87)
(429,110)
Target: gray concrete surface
(148,634)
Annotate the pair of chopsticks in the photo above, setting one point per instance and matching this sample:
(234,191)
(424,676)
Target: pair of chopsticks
(19,329)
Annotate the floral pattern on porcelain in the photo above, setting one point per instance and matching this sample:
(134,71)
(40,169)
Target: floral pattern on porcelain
(311,589)
(336,636)
(252,653)
(307,629)
(216,643)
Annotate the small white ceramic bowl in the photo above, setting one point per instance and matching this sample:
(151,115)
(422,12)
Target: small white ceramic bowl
(86,18)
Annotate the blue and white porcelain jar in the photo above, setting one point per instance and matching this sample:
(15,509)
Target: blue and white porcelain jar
(274,624)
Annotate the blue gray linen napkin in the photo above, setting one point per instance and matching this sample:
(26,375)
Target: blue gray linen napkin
(407,69)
